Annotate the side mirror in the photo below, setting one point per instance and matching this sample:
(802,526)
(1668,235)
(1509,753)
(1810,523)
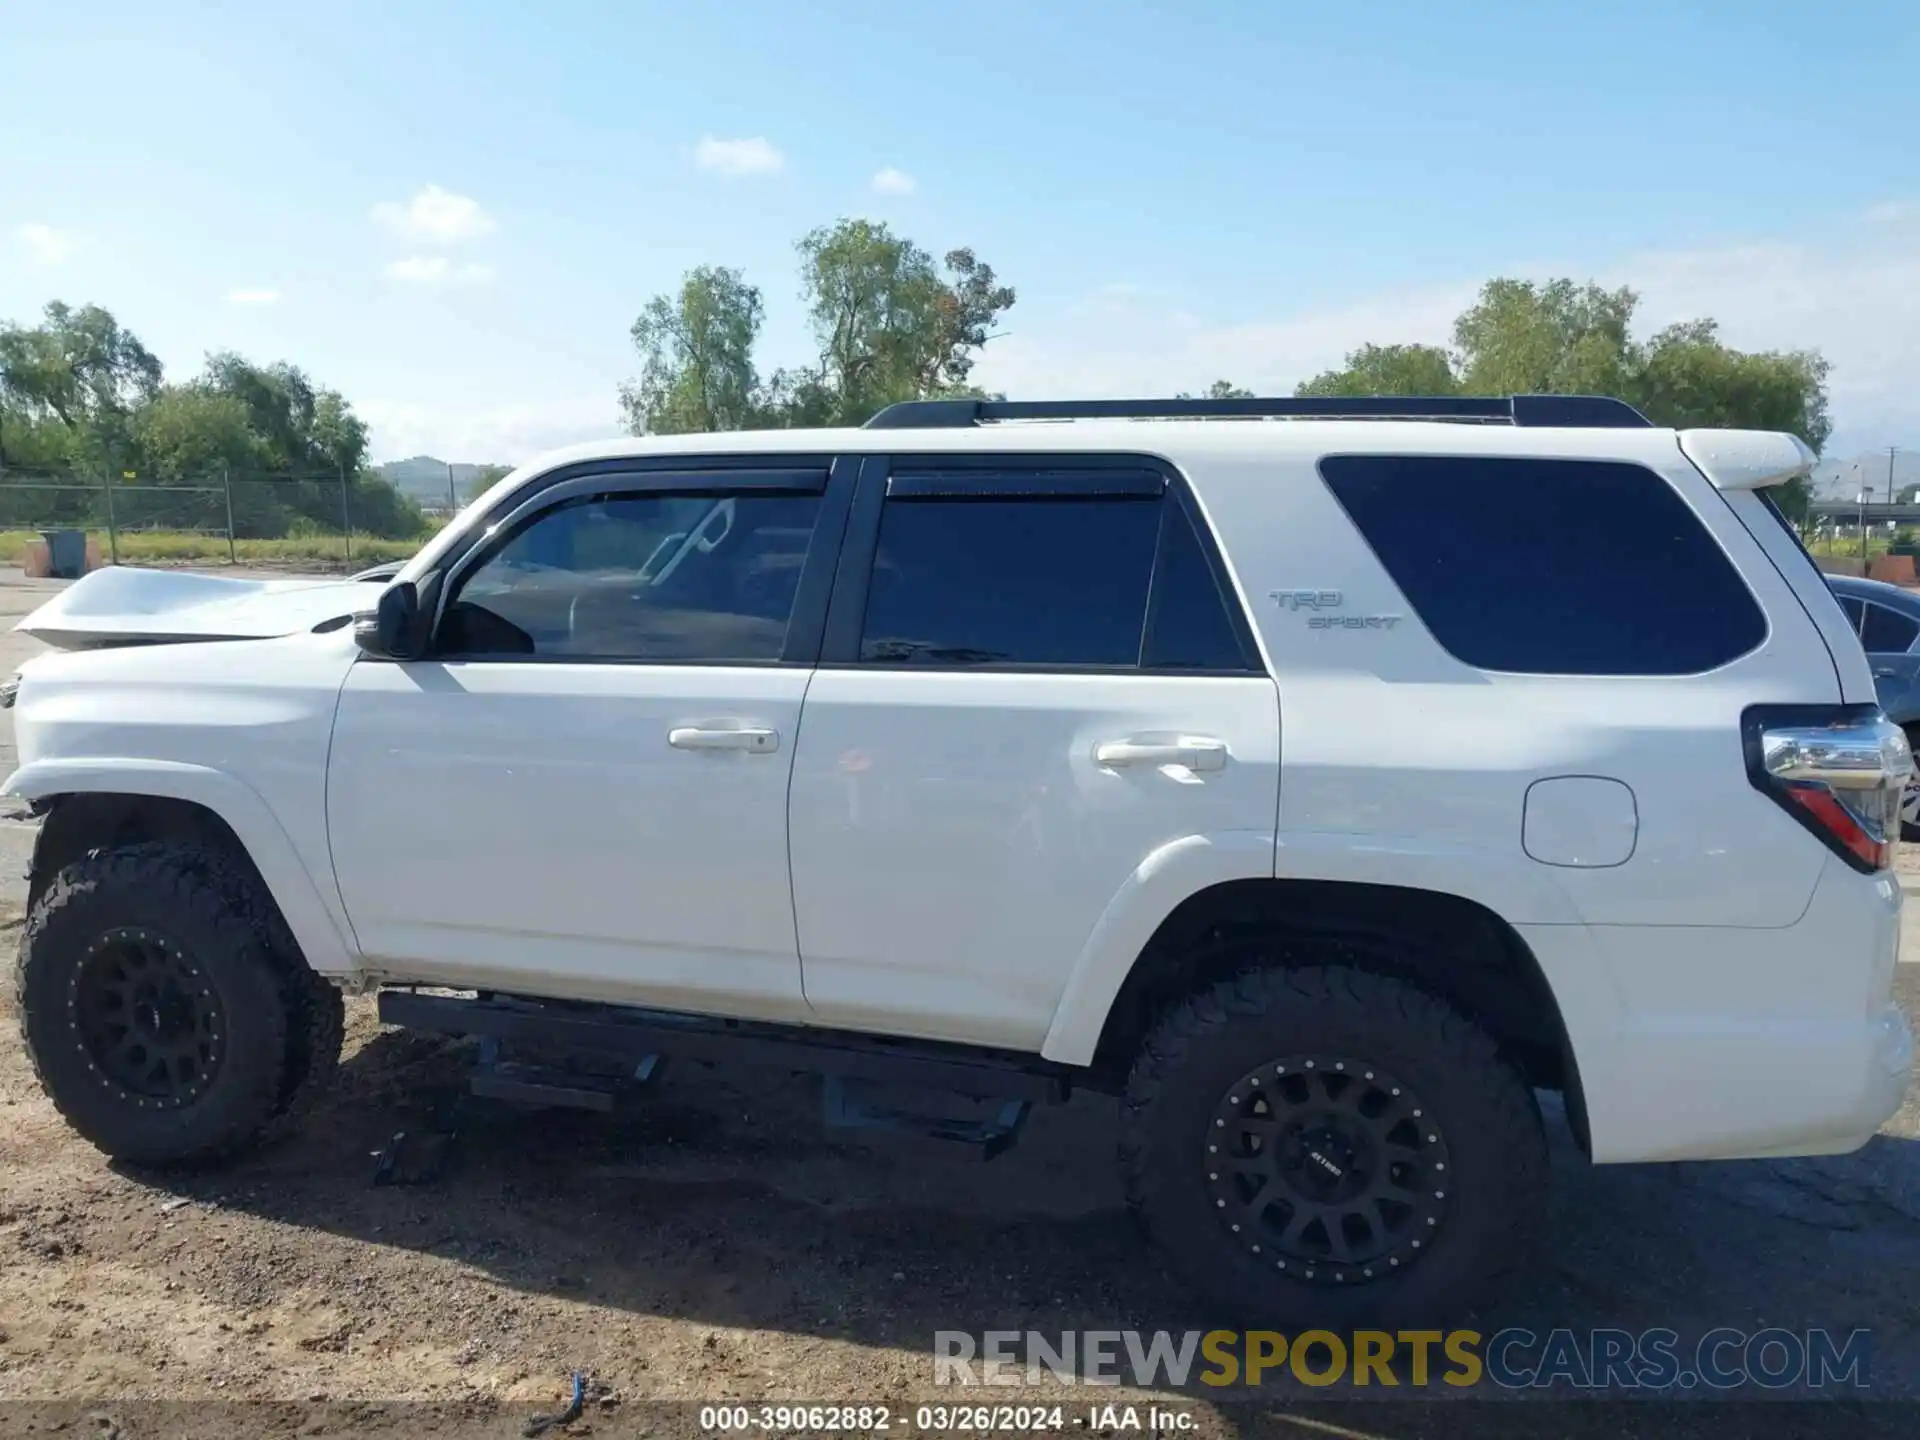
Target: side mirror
(393,630)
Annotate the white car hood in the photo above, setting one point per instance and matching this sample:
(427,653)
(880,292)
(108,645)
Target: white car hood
(125,606)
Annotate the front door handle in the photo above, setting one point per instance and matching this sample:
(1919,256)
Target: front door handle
(1196,752)
(753,740)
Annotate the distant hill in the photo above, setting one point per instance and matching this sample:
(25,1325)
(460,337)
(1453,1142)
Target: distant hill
(1840,477)
(425,479)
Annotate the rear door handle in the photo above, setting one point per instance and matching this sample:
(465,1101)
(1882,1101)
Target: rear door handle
(753,740)
(1196,752)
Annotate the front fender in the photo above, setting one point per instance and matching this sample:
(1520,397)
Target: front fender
(1154,891)
(251,819)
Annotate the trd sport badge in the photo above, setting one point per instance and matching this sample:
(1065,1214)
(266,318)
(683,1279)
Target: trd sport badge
(1317,603)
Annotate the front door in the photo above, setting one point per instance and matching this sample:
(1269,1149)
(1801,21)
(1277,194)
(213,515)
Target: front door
(582,792)
(1037,684)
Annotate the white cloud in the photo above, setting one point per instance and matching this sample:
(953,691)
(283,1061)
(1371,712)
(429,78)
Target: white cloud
(1891,212)
(503,433)
(47,245)
(893,182)
(253,297)
(1853,294)
(435,217)
(1123,340)
(437,270)
(756,156)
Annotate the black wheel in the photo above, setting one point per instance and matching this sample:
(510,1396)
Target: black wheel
(154,1012)
(1325,1146)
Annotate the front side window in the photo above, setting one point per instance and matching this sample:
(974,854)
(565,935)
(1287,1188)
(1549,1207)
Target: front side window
(687,577)
(1551,567)
(1887,632)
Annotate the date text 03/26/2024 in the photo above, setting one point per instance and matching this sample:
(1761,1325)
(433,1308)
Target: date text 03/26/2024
(942,1419)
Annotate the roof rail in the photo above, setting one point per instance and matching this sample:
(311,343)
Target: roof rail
(1584,411)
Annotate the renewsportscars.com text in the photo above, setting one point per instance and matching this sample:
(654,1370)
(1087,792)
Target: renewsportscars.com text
(1511,1359)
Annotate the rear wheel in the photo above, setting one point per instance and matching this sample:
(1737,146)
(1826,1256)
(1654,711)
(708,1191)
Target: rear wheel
(1326,1146)
(154,1012)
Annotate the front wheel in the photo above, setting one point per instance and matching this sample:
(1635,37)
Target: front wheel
(1910,812)
(153,1009)
(1326,1146)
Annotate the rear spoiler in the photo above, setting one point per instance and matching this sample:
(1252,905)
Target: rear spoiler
(1746,459)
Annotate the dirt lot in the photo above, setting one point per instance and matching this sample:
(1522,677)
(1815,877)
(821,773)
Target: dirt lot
(715,1246)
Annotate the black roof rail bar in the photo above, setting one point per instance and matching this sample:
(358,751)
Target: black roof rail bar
(1584,411)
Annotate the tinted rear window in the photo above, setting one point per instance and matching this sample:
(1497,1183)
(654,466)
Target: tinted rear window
(999,581)
(1553,567)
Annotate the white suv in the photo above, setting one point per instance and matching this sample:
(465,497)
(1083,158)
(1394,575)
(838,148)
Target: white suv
(1321,777)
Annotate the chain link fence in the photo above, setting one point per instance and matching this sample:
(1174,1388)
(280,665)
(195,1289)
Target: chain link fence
(228,516)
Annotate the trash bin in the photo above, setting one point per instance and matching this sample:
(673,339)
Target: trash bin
(66,553)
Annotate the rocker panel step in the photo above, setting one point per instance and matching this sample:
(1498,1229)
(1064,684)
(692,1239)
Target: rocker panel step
(855,1105)
(629,1035)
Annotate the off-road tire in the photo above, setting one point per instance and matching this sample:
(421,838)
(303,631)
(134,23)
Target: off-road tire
(173,893)
(316,1014)
(316,1030)
(1195,1057)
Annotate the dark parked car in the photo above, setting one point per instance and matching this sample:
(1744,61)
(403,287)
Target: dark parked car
(1887,619)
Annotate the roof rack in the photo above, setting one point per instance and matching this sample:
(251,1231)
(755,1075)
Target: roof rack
(1583,411)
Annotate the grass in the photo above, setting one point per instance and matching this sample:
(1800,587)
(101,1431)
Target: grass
(149,547)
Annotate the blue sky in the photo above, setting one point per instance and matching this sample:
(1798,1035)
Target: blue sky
(453,212)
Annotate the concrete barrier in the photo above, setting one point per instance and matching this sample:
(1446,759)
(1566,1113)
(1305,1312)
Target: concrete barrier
(1894,569)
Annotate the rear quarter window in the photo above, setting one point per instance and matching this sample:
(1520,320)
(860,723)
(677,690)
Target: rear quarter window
(1550,567)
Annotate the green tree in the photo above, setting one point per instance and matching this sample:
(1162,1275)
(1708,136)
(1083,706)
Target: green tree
(485,480)
(696,348)
(77,365)
(79,369)
(1686,377)
(889,324)
(1564,338)
(873,301)
(1553,339)
(1219,390)
(967,306)
(188,431)
(1387,370)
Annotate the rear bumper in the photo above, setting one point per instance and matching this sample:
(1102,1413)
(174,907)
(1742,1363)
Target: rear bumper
(1730,1044)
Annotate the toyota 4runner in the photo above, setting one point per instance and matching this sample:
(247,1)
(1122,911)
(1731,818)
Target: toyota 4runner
(1324,778)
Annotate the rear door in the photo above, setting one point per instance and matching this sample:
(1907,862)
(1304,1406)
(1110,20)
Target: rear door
(1032,681)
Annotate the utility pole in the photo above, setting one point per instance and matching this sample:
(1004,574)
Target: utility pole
(226,483)
(1865,492)
(346,513)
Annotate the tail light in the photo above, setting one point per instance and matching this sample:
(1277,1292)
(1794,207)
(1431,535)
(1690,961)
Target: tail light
(1837,769)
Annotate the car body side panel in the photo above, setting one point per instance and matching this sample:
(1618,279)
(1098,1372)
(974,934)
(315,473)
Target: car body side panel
(1723,1045)
(1397,756)
(242,728)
